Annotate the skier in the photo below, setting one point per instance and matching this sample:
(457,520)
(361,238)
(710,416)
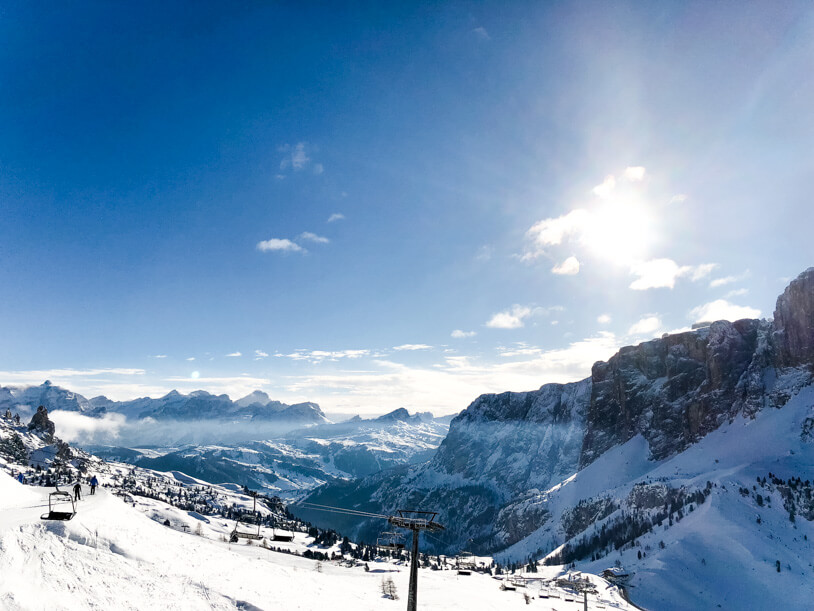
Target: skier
(77,492)
(21,478)
(93,483)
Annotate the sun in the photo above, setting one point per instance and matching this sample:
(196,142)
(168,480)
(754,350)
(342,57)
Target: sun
(621,230)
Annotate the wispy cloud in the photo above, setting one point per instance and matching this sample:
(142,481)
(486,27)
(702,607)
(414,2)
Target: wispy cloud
(336,216)
(513,318)
(459,334)
(606,187)
(718,282)
(279,245)
(451,384)
(312,237)
(649,325)
(721,309)
(159,356)
(481,33)
(296,157)
(603,319)
(191,358)
(234,354)
(412,347)
(634,173)
(259,354)
(317,356)
(663,273)
(569,267)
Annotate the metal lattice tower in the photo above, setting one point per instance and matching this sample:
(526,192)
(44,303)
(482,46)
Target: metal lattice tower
(415,521)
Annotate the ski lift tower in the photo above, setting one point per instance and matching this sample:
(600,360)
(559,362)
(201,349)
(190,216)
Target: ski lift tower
(415,521)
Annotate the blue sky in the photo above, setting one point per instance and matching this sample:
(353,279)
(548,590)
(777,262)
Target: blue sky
(375,206)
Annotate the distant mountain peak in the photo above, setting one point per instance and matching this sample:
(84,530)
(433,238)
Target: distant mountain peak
(255,397)
(397,414)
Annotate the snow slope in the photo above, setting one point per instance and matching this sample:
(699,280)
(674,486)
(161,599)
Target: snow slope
(112,556)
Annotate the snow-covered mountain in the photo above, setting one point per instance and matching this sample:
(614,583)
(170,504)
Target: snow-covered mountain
(700,426)
(198,405)
(159,540)
(301,460)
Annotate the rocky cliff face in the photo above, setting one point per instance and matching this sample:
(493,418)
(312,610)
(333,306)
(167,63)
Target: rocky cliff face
(793,333)
(503,450)
(676,389)
(515,441)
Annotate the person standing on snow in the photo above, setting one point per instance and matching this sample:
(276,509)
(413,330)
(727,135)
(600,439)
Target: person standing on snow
(77,492)
(93,483)
(21,478)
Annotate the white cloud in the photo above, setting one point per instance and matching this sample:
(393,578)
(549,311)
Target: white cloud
(698,272)
(459,334)
(159,356)
(73,426)
(722,281)
(336,216)
(552,231)
(736,293)
(297,158)
(191,358)
(569,267)
(481,33)
(678,198)
(649,325)
(234,354)
(485,253)
(718,282)
(412,347)
(449,385)
(603,319)
(38,376)
(607,186)
(317,356)
(511,318)
(318,169)
(721,309)
(663,273)
(260,354)
(634,173)
(312,237)
(280,245)
(656,273)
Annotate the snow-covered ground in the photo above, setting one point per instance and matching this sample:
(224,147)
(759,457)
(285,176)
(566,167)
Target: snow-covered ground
(112,555)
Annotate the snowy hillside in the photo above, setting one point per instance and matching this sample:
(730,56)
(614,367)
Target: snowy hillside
(112,555)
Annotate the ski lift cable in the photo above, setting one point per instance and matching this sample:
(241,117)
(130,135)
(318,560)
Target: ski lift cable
(349,512)
(352,512)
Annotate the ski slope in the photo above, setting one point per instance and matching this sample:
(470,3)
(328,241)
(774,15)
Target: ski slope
(113,556)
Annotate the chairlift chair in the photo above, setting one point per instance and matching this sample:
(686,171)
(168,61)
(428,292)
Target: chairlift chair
(59,502)
(465,563)
(278,534)
(391,541)
(248,530)
(248,524)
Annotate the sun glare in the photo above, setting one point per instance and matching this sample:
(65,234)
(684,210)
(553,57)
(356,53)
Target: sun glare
(620,230)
